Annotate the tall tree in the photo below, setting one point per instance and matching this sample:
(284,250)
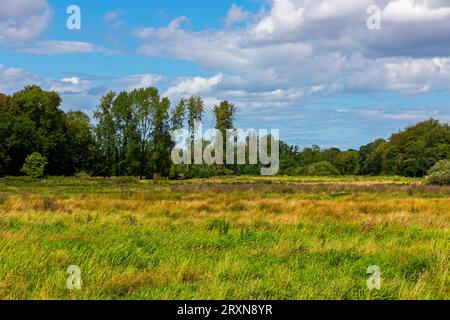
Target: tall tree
(105,136)
(225,115)
(161,138)
(43,109)
(195,107)
(18,139)
(82,141)
(370,159)
(127,140)
(179,115)
(143,103)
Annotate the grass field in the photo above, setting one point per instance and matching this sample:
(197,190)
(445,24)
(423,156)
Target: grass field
(224,238)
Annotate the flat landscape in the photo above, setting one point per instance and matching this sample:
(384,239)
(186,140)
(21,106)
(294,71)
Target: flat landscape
(224,238)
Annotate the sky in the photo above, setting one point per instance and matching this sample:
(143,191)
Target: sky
(311,68)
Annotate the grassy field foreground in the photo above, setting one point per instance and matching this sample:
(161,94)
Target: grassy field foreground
(229,238)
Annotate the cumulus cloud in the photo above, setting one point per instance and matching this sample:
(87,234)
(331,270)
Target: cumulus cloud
(322,10)
(23,21)
(320,44)
(69,85)
(415,11)
(229,51)
(278,58)
(402,74)
(236,15)
(12,79)
(289,56)
(284,20)
(193,86)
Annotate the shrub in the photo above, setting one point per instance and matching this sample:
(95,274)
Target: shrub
(439,174)
(34,165)
(323,168)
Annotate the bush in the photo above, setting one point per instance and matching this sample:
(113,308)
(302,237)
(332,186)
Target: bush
(323,168)
(35,165)
(440,173)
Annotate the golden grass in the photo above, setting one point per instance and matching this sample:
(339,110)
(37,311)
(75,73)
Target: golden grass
(232,238)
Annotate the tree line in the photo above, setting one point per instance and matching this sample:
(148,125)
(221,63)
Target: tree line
(131,136)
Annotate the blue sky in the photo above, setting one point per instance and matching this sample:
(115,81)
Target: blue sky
(312,69)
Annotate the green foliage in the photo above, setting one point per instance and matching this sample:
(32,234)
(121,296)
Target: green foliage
(195,107)
(132,138)
(439,174)
(370,159)
(34,165)
(81,140)
(133,133)
(31,121)
(346,162)
(295,162)
(43,109)
(179,115)
(323,168)
(105,136)
(161,138)
(411,152)
(225,113)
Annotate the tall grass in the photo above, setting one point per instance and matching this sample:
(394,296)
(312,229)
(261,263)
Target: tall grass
(230,238)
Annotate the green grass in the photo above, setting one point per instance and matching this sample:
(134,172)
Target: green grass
(224,238)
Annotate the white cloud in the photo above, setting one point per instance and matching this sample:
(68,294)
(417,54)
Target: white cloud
(236,15)
(414,11)
(335,9)
(73,80)
(219,50)
(112,15)
(12,79)
(14,8)
(317,47)
(287,53)
(114,19)
(24,20)
(406,75)
(69,85)
(63,47)
(286,17)
(412,115)
(160,33)
(418,75)
(193,86)
(139,81)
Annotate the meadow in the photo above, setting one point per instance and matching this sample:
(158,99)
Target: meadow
(224,238)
